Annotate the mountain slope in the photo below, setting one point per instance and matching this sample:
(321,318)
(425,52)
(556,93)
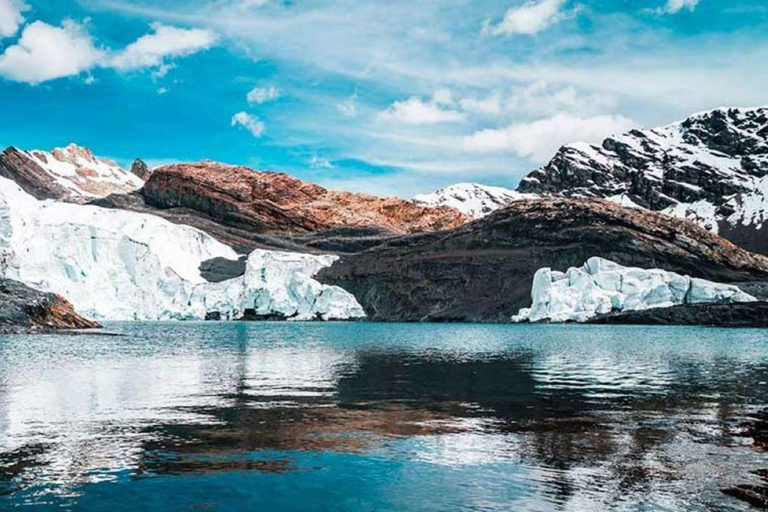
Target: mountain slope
(710,168)
(483,271)
(71,174)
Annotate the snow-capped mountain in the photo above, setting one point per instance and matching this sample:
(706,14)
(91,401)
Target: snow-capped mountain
(710,168)
(121,265)
(472,199)
(71,174)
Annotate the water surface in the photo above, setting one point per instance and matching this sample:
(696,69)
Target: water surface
(360,416)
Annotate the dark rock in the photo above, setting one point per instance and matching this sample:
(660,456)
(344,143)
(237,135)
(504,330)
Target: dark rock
(140,169)
(27,310)
(483,271)
(748,314)
(217,270)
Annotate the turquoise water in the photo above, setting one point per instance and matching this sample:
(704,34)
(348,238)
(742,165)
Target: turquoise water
(363,417)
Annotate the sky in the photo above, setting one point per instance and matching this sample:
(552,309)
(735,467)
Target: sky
(387,97)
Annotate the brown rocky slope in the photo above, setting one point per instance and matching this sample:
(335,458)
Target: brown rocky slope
(483,271)
(268,202)
(249,209)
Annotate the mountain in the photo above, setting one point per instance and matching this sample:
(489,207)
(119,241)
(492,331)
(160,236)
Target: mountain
(71,174)
(483,271)
(472,199)
(250,209)
(711,168)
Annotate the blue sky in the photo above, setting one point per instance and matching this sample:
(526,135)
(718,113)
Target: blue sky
(395,97)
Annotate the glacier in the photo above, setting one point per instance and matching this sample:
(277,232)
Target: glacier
(601,286)
(120,265)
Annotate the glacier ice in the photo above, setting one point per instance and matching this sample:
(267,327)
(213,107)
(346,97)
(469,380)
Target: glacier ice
(602,286)
(120,265)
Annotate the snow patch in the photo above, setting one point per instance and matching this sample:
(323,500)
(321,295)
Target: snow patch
(83,174)
(602,286)
(472,199)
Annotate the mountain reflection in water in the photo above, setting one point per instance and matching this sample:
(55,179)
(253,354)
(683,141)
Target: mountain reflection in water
(380,417)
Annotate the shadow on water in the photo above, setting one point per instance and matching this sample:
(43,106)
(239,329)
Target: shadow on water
(548,419)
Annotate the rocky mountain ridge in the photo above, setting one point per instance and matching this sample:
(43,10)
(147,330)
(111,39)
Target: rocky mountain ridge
(483,271)
(71,174)
(711,168)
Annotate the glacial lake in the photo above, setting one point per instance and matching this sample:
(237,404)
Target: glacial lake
(393,417)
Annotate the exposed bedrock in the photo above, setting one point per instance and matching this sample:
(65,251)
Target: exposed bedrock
(27,310)
(483,271)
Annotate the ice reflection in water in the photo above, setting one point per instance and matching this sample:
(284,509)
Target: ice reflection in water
(381,417)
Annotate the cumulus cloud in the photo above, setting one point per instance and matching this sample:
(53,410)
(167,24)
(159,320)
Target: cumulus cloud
(529,18)
(11,17)
(348,107)
(318,162)
(259,95)
(416,111)
(539,140)
(675,6)
(490,106)
(165,43)
(251,123)
(44,52)
(539,99)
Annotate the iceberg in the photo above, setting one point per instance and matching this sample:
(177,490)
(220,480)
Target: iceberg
(121,265)
(602,286)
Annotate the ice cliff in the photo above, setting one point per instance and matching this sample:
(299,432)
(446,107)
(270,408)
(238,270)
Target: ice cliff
(119,265)
(602,286)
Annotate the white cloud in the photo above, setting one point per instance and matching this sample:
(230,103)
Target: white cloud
(540,99)
(259,95)
(675,6)
(45,52)
(166,42)
(320,163)
(348,107)
(539,140)
(416,111)
(11,17)
(251,123)
(249,4)
(490,106)
(529,18)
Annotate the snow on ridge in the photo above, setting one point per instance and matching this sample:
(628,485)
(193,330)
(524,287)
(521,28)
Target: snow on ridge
(83,174)
(120,265)
(472,199)
(601,286)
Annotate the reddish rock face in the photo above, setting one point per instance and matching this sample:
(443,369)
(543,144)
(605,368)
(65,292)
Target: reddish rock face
(267,202)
